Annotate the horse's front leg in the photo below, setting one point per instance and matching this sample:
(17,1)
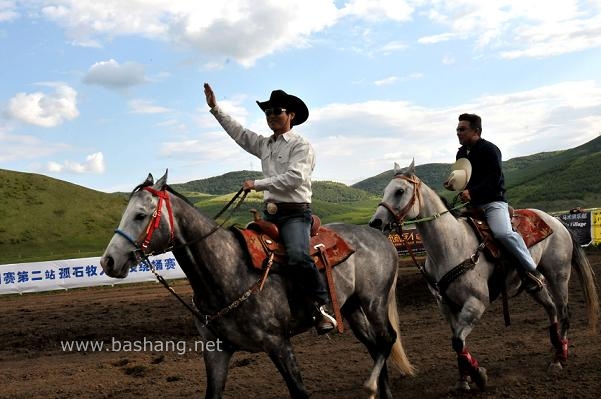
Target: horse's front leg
(216,354)
(217,367)
(462,325)
(283,357)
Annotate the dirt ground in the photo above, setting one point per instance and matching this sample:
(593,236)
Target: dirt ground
(34,365)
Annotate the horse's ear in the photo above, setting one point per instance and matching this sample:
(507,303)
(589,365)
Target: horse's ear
(411,169)
(397,168)
(162,182)
(149,180)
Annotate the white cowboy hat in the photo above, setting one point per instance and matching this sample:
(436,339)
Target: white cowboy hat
(461,171)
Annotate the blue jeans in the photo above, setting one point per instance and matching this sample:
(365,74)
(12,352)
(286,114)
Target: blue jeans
(295,231)
(497,216)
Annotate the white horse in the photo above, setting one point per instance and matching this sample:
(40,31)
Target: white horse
(459,278)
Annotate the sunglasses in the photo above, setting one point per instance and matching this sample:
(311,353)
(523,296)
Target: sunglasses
(461,129)
(274,111)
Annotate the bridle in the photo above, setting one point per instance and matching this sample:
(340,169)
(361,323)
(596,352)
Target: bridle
(399,217)
(141,244)
(399,220)
(141,253)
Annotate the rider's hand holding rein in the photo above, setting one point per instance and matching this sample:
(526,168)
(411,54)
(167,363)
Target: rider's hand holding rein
(465,196)
(248,185)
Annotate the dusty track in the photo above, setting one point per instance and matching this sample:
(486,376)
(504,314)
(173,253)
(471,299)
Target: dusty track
(33,365)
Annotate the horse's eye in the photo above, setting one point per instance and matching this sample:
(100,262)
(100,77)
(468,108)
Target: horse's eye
(400,192)
(140,216)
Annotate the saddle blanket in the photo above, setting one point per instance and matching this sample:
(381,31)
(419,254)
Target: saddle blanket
(325,242)
(525,221)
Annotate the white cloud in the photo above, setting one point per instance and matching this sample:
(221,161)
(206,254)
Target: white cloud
(448,60)
(377,133)
(112,75)
(512,28)
(21,147)
(45,109)
(94,163)
(8,11)
(396,10)
(214,29)
(387,81)
(391,47)
(146,107)
(524,28)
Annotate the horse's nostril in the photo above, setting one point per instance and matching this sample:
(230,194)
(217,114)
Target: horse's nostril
(376,224)
(107,263)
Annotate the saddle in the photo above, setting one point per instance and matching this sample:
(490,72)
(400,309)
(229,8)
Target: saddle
(262,238)
(326,247)
(525,221)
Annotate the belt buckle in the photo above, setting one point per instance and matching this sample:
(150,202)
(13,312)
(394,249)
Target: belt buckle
(271,208)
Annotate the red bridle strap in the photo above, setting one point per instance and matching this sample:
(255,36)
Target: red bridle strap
(154,223)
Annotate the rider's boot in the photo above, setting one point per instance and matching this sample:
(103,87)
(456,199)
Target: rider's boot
(324,323)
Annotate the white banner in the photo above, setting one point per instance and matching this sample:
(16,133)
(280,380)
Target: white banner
(21,278)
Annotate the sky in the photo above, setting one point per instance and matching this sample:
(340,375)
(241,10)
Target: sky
(101,93)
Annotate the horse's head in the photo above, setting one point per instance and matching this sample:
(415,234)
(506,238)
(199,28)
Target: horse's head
(140,231)
(400,201)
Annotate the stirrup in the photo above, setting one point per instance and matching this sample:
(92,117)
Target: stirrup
(534,281)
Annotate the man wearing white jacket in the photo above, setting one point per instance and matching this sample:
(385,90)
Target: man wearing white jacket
(287,161)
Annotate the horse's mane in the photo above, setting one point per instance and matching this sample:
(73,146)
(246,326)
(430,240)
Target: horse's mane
(140,187)
(167,187)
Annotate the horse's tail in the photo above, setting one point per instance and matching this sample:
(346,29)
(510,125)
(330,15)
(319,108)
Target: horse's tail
(586,275)
(398,357)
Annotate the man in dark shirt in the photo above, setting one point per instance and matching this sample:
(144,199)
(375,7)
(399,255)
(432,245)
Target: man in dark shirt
(486,190)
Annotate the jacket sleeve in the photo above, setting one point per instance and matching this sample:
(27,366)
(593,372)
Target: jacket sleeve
(247,139)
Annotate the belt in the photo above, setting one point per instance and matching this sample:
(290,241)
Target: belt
(286,207)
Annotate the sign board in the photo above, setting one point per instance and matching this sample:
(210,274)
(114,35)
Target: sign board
(596,226)
(410,237)
(21,278)
(580,223)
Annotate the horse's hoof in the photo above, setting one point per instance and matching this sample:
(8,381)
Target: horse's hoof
(462,385)
(480,378)
(371,389)
(554,368)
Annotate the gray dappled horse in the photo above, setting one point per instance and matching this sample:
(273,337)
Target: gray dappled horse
(218,270)
(450,243)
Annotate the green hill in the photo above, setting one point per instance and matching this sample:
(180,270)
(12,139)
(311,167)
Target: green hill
(43,218)
(227,183)
(552,181)
(433,174)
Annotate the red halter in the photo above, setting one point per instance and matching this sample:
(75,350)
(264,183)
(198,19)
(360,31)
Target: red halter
(155,221)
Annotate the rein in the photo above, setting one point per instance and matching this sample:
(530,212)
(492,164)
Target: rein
(399,220)
(399,216)
(141,245)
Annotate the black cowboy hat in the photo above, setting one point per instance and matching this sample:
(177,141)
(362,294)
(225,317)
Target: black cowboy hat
(279,98)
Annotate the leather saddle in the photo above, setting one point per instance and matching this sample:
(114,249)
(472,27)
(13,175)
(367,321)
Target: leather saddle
(262,238)
(525,221)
